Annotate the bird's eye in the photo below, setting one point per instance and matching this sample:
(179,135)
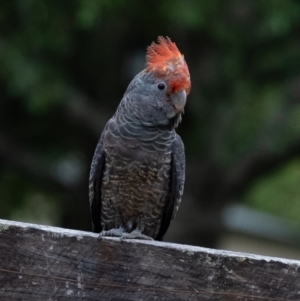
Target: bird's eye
(161,86)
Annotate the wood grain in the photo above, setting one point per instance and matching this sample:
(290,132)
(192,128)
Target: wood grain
(47,263)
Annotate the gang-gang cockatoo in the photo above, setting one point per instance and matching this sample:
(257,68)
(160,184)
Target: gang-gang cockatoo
(138,169)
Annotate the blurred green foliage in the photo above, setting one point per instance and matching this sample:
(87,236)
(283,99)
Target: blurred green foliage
(64,66)
(278,193)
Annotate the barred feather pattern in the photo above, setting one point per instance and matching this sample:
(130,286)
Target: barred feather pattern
(136,178)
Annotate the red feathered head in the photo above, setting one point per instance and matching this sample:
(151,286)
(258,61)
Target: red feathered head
(165,61)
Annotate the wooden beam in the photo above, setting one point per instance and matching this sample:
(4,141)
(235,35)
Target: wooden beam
(47,263)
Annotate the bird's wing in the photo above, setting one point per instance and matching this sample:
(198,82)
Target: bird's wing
(176,186)
(95,183)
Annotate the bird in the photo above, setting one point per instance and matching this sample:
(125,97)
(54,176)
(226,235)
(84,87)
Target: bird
(138,169)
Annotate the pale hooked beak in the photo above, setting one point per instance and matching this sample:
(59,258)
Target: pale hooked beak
(178,101)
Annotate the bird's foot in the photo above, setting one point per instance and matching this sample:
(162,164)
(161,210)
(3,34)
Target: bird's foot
(116,232)
(136,234)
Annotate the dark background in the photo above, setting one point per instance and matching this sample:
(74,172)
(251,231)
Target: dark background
(64,66)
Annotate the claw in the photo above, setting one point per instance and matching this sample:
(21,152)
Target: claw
(136,234)
(120,232)
(116,232)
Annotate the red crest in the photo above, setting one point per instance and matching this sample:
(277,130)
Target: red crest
(165,61)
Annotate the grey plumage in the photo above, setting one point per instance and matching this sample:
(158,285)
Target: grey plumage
(138,169)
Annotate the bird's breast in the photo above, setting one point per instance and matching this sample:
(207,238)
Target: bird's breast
(136,182)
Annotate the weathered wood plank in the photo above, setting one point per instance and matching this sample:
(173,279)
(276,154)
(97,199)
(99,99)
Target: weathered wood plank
(47,263)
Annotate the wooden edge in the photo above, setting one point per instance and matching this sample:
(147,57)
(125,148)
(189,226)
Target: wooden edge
(5,224)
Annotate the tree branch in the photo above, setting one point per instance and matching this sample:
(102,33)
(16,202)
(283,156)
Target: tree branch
(256,164)
(79,108)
